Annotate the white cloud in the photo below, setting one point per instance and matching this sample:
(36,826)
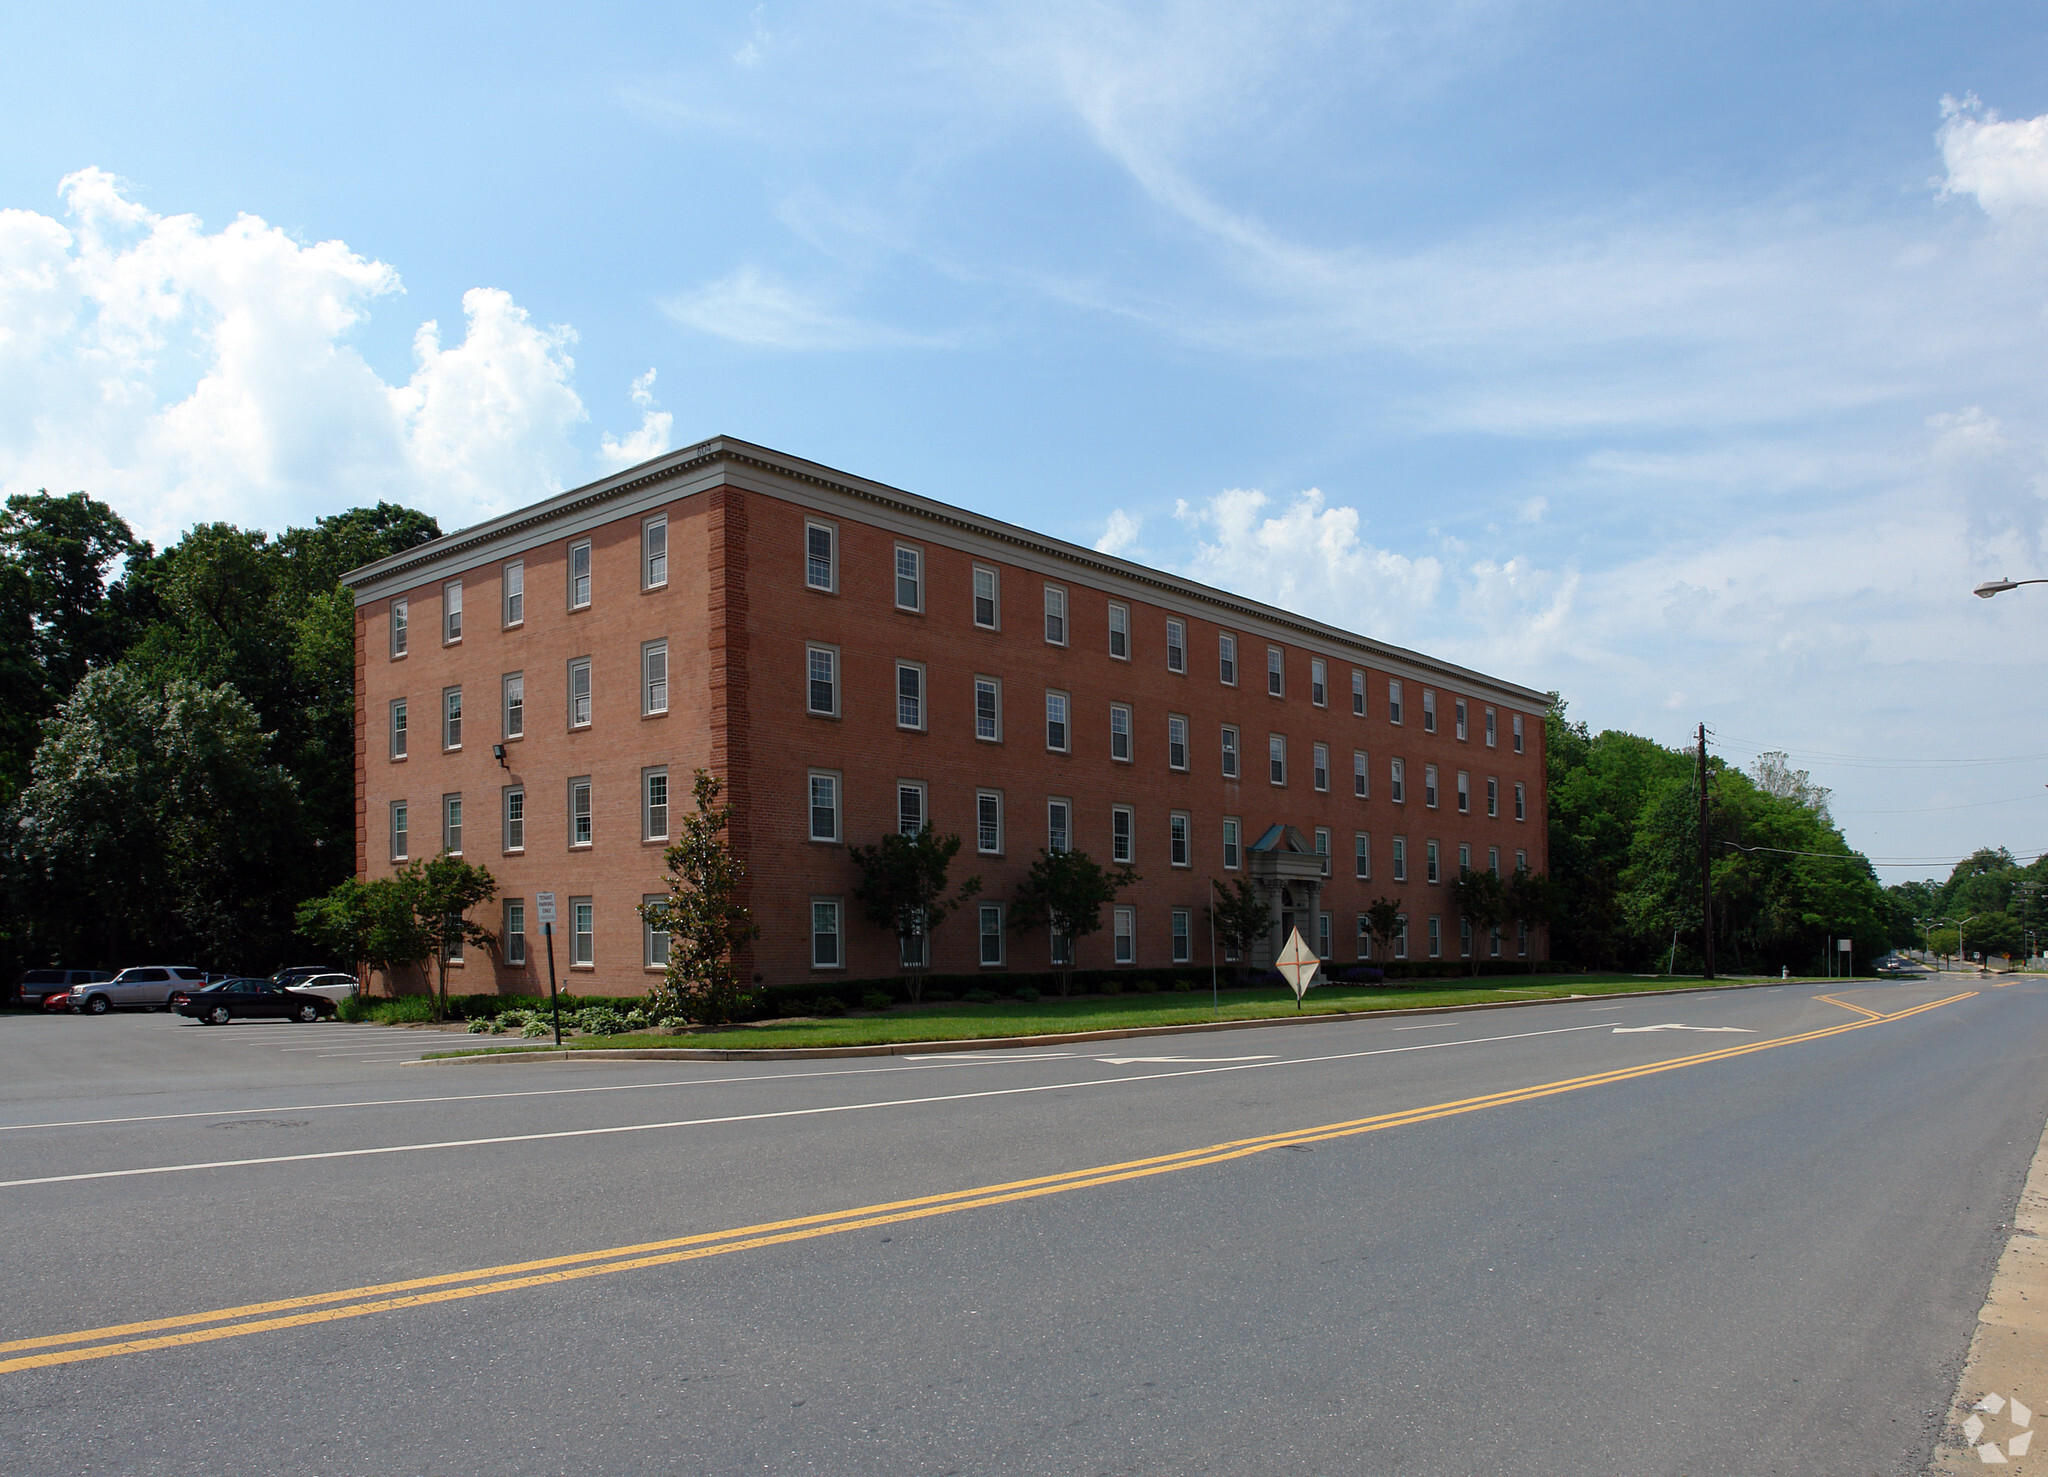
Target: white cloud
(182,375)
(650,441)
(1121,536)
(748,307)
(2002,165)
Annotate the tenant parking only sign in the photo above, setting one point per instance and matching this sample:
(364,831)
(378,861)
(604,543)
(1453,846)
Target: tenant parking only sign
(544,907)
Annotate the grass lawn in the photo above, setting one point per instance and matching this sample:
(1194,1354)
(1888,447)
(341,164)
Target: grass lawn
(954,1021)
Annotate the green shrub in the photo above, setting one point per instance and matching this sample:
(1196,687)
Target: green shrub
(1027,994)
(479,1027)
(828,1005)
(1145,985)
(1110,987)
(1185,987)
(355,1009)
(980,997)
(536,1028)
(876,1000)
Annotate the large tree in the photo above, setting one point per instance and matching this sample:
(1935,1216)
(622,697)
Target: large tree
(903,889)
(1065,893)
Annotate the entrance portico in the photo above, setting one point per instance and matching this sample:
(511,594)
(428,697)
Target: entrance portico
(1288,873)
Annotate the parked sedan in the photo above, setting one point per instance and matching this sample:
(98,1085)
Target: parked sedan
(216,1005)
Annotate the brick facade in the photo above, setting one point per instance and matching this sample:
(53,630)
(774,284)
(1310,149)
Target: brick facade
(739,617)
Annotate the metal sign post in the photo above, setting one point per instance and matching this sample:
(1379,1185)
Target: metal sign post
(544,907)
(1847,948)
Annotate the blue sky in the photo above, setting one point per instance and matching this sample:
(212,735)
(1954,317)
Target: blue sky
(1687,359)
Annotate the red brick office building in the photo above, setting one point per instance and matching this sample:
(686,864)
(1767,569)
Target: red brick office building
(536,692)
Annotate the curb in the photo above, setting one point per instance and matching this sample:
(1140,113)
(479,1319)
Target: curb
(1011,1043)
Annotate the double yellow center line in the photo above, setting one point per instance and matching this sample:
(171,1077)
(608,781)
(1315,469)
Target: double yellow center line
(357,1302)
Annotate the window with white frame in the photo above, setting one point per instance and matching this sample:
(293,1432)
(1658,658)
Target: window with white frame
(821,557)
(1177,839)
(1060,948)
(1276,758)
(1428,710)
(451,717)
(654,678)
(911,813)
(1357,694)
(654,553)
(910,695)
(1323,935)
(1226,659)
(1491,728)
(1492,796)
(579,574)
(1176,646)
(1429,786)
(823,696)
(1361,778)
(986,613)
(398,631)
(1119,732)
(1361,854)
(991,934)
(398,728)
(512,587)
(1120,632)
(515,705)
(1121,842)
(1364,937)
(1464,938)
(988,822)
(399,837)
(1319,682)
(1400,858)
(1493,860)
(579,811)
(909,578)
(451,824)
(1458,717)
(1522,940)
(579,692)
(1521,810)
(1059,828)
(1230,751)
(1176,741)
(825,952)
(1493,941)
(1182,951)
(653,933)
(451,612)
(1436,936)
(1323,849)
(988,709)
(1464,792)
(1397,781)
(1401,939)
(824,804)
(513,818)
(1320,754)
(654,804)
(515,931)
(1276,672)
(1431,863)
(1055,615)
(1125,933)
(1464,858)
(1056,734)
(1393,701)
(1515,730)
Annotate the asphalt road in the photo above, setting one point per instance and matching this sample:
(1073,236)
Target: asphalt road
(1528,1241)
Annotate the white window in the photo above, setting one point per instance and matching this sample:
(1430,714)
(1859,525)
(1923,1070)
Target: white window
(1364,937)
(513,585)
(1516,730)
(823,697)
(1436,936)
(1429,785)
(653,935)
(1226,659)
(579,574)
(1361,779)
(515,931)
(515,705)
(1492,796)
(1521,861)
(1358,694)
(988,822)
(1176,741)
(515,818)
(1393,701)
(1062,947)
(1176,646)
(579,811)
(911,816)
(1058,824)
(1320,753)
(985,609)
(1055,615)
(909,578)
(1276,672)
(1361,854)
(1464,792)
(654,678)
(398,729)
(1464,938)
(1323,848)
(821,571)
(1319,682)
(1125,930)
(1400,858)
(1119,731)
(1432,866)
(988,709)
(451,612)
(1458,717)
(1493,860)
(1522,939)
(1464,858)
(1520,811)
(1397,776)
(992,934)
(398,628)
(1056,721)
(1428,710)
(654,554)
(579,693)
(1181,950)
(451,824)
(654,804)
(582,931)
(451,717)
(1230,835)
(824,805)
(1120,632)
(1120,840)
(825,934)
(1491,728)
(1177,839)
(909,695)
(1229,751)
(1323,935)
(399,837)
(1401,938)
(1276,758)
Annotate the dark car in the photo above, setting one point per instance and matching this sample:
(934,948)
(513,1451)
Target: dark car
(37,985)
(249,999)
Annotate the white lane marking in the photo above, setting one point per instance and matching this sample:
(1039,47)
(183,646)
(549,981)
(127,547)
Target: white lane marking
(952,1097)
(1430,1026)
(1001,1056)
(1125,1061)
(1631,1030)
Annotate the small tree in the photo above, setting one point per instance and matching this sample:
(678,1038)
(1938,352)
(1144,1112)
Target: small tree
(1065,892)
(1240,915)
(706,923)
(1943,944)
(1531,898)
(402,919)
(1480,897)
(903,888)
(448,888)
(1383,922)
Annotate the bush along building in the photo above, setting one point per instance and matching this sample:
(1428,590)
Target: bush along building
(536,693)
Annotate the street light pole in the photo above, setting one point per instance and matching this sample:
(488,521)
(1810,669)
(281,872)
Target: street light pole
(2000,586)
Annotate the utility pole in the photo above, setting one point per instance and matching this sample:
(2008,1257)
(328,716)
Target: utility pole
(1706,874)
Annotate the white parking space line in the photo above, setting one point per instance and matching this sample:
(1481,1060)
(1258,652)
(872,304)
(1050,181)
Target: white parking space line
(954,1097)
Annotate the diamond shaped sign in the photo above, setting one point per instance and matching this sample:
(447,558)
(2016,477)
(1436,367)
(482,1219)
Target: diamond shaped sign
(1298,965)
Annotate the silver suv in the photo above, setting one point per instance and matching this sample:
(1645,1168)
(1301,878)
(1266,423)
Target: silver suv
(146,985)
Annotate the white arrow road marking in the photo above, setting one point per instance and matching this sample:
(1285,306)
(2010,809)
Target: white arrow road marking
(1125,1061)
(1632,1030)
